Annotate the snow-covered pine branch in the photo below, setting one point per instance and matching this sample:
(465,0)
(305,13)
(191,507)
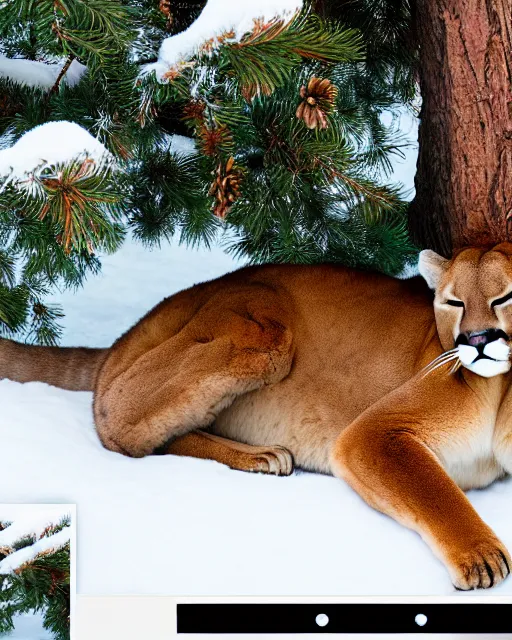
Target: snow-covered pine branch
(35,566)
(22,522)
(220,21)
(14,561)
(26,521)
(42,75)
(50,144)
(70,179)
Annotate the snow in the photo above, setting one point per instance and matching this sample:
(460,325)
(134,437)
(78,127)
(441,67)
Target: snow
(182,145)
(28,520)
(409,271)
(27,554)
(29,627)
(218,18)
(404,169)
(133,281)
(42,75)
(49,144)
(178,526)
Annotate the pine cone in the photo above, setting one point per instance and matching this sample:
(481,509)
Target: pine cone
(225,187)
(212,140)
(318,100)
(194,110)
(8,107)
(172,73)
(165,8)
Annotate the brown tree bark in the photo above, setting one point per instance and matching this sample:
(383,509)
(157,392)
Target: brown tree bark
(464,173)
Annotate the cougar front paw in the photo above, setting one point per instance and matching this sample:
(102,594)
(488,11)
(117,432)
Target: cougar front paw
(276,461)
(484,565)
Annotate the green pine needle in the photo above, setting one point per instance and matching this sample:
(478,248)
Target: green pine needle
(301,195)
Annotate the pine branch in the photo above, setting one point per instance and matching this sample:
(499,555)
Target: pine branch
(298,194)
(265,59)
(61,75)
(40,584)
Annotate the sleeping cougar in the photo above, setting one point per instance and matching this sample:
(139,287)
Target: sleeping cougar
(403,394)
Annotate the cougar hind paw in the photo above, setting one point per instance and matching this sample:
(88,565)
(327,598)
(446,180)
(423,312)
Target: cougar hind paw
(276,461)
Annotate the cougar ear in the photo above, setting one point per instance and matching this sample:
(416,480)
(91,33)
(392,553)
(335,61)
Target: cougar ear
(432,266)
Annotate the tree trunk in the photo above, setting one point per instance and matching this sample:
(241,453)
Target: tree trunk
(464,174)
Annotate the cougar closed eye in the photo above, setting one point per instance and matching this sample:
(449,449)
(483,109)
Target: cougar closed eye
(502,300)
(455,303)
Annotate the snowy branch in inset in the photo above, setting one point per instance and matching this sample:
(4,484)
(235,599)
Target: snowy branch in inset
(13,562)
(35,566)
(26,524)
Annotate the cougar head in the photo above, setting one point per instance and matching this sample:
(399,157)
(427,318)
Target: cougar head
(473,305)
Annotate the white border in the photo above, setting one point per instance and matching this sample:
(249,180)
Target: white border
(154,617)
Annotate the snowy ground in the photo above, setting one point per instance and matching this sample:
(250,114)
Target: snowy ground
(29,627)
(178,526)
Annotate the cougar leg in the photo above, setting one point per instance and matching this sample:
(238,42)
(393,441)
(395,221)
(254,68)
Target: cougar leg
(184,382)
(392,456)
(244,457)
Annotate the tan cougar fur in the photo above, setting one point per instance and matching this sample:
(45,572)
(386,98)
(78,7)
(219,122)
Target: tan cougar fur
(404,394)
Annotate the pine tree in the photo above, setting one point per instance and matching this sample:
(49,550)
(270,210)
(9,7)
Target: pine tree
(35,577)
(289,159)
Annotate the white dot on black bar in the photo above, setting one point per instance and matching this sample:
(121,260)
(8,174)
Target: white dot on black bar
(421,619)
(322,619)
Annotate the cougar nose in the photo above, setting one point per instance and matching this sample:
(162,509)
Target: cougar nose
(481,338)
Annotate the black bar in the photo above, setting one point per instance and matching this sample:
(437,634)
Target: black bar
(344,618)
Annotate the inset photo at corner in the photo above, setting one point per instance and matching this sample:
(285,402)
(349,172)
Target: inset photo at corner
(37,577)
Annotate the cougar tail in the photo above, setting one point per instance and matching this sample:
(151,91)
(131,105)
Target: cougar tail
(68,368)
